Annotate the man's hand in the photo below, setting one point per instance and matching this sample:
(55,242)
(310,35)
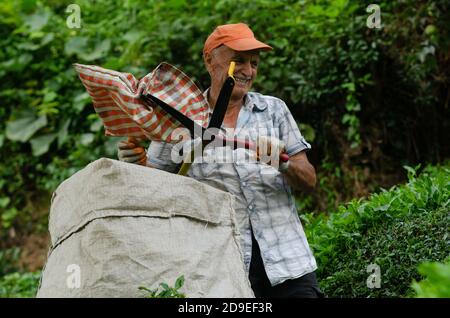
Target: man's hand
(269,150)
(130,151)
(299,172)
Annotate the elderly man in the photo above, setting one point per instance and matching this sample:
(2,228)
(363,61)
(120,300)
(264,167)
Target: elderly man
(276,253)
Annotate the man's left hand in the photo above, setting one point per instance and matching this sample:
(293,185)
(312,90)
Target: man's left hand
(269,149)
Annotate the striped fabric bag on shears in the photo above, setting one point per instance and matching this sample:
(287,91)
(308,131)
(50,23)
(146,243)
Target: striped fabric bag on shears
(116,99)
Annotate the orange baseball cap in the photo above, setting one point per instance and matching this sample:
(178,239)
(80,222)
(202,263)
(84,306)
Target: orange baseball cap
(238,37)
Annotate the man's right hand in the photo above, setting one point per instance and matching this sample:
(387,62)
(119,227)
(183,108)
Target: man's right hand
(130,151)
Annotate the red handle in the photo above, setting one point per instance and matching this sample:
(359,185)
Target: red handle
(284,157)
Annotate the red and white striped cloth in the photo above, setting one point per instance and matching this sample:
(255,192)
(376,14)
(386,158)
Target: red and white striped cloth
(115,97)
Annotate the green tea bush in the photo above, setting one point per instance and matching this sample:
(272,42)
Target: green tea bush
(13,281)
(437,281)
(396,230)
(19,285)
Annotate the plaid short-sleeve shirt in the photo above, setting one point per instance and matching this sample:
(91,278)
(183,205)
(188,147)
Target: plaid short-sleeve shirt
(264,201)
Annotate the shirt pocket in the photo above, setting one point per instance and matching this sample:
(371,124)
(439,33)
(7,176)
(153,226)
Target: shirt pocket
(271,179)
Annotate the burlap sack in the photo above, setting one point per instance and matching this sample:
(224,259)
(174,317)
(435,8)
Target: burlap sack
(121,226)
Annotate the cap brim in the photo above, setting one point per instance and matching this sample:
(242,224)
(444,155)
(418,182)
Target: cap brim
(247,44)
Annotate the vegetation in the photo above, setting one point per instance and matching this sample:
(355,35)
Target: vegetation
(8,260)
(14,281)
(396,230)
(437,282)
(369,100)
(19,285)
(167,291)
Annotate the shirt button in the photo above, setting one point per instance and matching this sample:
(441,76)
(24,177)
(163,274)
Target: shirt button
(244,184)
(251,206)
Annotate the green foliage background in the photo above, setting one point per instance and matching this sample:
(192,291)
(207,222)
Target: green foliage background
(369,100)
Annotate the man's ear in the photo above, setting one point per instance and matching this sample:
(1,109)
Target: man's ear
(207,58)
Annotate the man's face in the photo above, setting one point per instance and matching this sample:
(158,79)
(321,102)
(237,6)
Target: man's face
(218,62)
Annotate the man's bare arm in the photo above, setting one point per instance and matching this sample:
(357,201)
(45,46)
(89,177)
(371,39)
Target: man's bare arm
(301,174)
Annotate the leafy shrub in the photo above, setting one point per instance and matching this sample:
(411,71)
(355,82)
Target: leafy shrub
(437,282)
(19,285)
(395,229)
(167,291)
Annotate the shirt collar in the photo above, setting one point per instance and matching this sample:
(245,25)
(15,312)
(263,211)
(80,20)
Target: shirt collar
(249,102)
